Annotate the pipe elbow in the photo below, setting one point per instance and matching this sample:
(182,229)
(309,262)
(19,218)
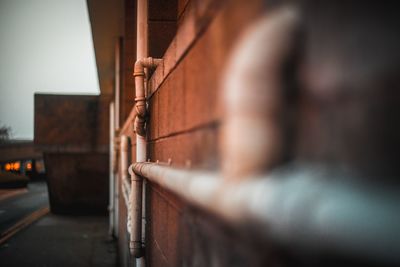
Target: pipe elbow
(154,62)
(148,62)
(138,69)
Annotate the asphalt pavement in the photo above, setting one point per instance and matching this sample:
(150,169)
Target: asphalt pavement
(52,240)
(61,241)
(15,208)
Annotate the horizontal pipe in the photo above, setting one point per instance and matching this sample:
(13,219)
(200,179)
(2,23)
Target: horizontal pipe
(309,208)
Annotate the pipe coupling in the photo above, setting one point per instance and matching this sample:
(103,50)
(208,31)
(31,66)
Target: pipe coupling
(140,125)
(136,249)
(140,108)
(148,62)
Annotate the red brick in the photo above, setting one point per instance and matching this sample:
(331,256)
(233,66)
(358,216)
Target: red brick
(181,6)
(160,34)
(153,123)
(159,220)
(163,10)
(173,238)
(170,57)
(199,147)
(186,30)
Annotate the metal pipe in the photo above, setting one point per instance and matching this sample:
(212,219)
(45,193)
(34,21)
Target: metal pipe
(116,135)
(141,153)
(140,99)
(117,170)
(142,14)
(138,194)
(137,198)
(252,131)
(117,83)
(124,160)
(116,140)
(310,207)
(125,183)
(111,171)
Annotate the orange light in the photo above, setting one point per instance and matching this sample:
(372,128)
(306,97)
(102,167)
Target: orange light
(29,166)
(7,167)
(17,165)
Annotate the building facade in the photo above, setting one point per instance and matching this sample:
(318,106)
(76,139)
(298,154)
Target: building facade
(210,98)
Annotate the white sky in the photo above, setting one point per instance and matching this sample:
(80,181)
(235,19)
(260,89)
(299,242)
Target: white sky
(45,46)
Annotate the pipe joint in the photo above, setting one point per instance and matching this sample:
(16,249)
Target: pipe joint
(143,63)
(141,109)
(140,100)
(136,249)
(140,126)
(148,62)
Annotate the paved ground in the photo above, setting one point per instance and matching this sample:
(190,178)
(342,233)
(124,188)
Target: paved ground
(7,193)
(15,208)
(53,240)
(61,241)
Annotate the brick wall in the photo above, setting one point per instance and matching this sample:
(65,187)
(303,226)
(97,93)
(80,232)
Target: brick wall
(73,133)
(77,182)
(71,122)
(183,126)
(18,150)
(128,59)
(195,38)
(184,123)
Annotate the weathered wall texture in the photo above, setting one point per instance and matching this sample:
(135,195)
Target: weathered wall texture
(72,132)
(184,123)
(77,182)
(128,58)
(71,122)
(183,126)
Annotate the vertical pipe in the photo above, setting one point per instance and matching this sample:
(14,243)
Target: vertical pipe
(117,84)
(117,112)
(125,145)
(111,172)
(116,188)
(141,153)
(124,159)
(136,196)
(141,44)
